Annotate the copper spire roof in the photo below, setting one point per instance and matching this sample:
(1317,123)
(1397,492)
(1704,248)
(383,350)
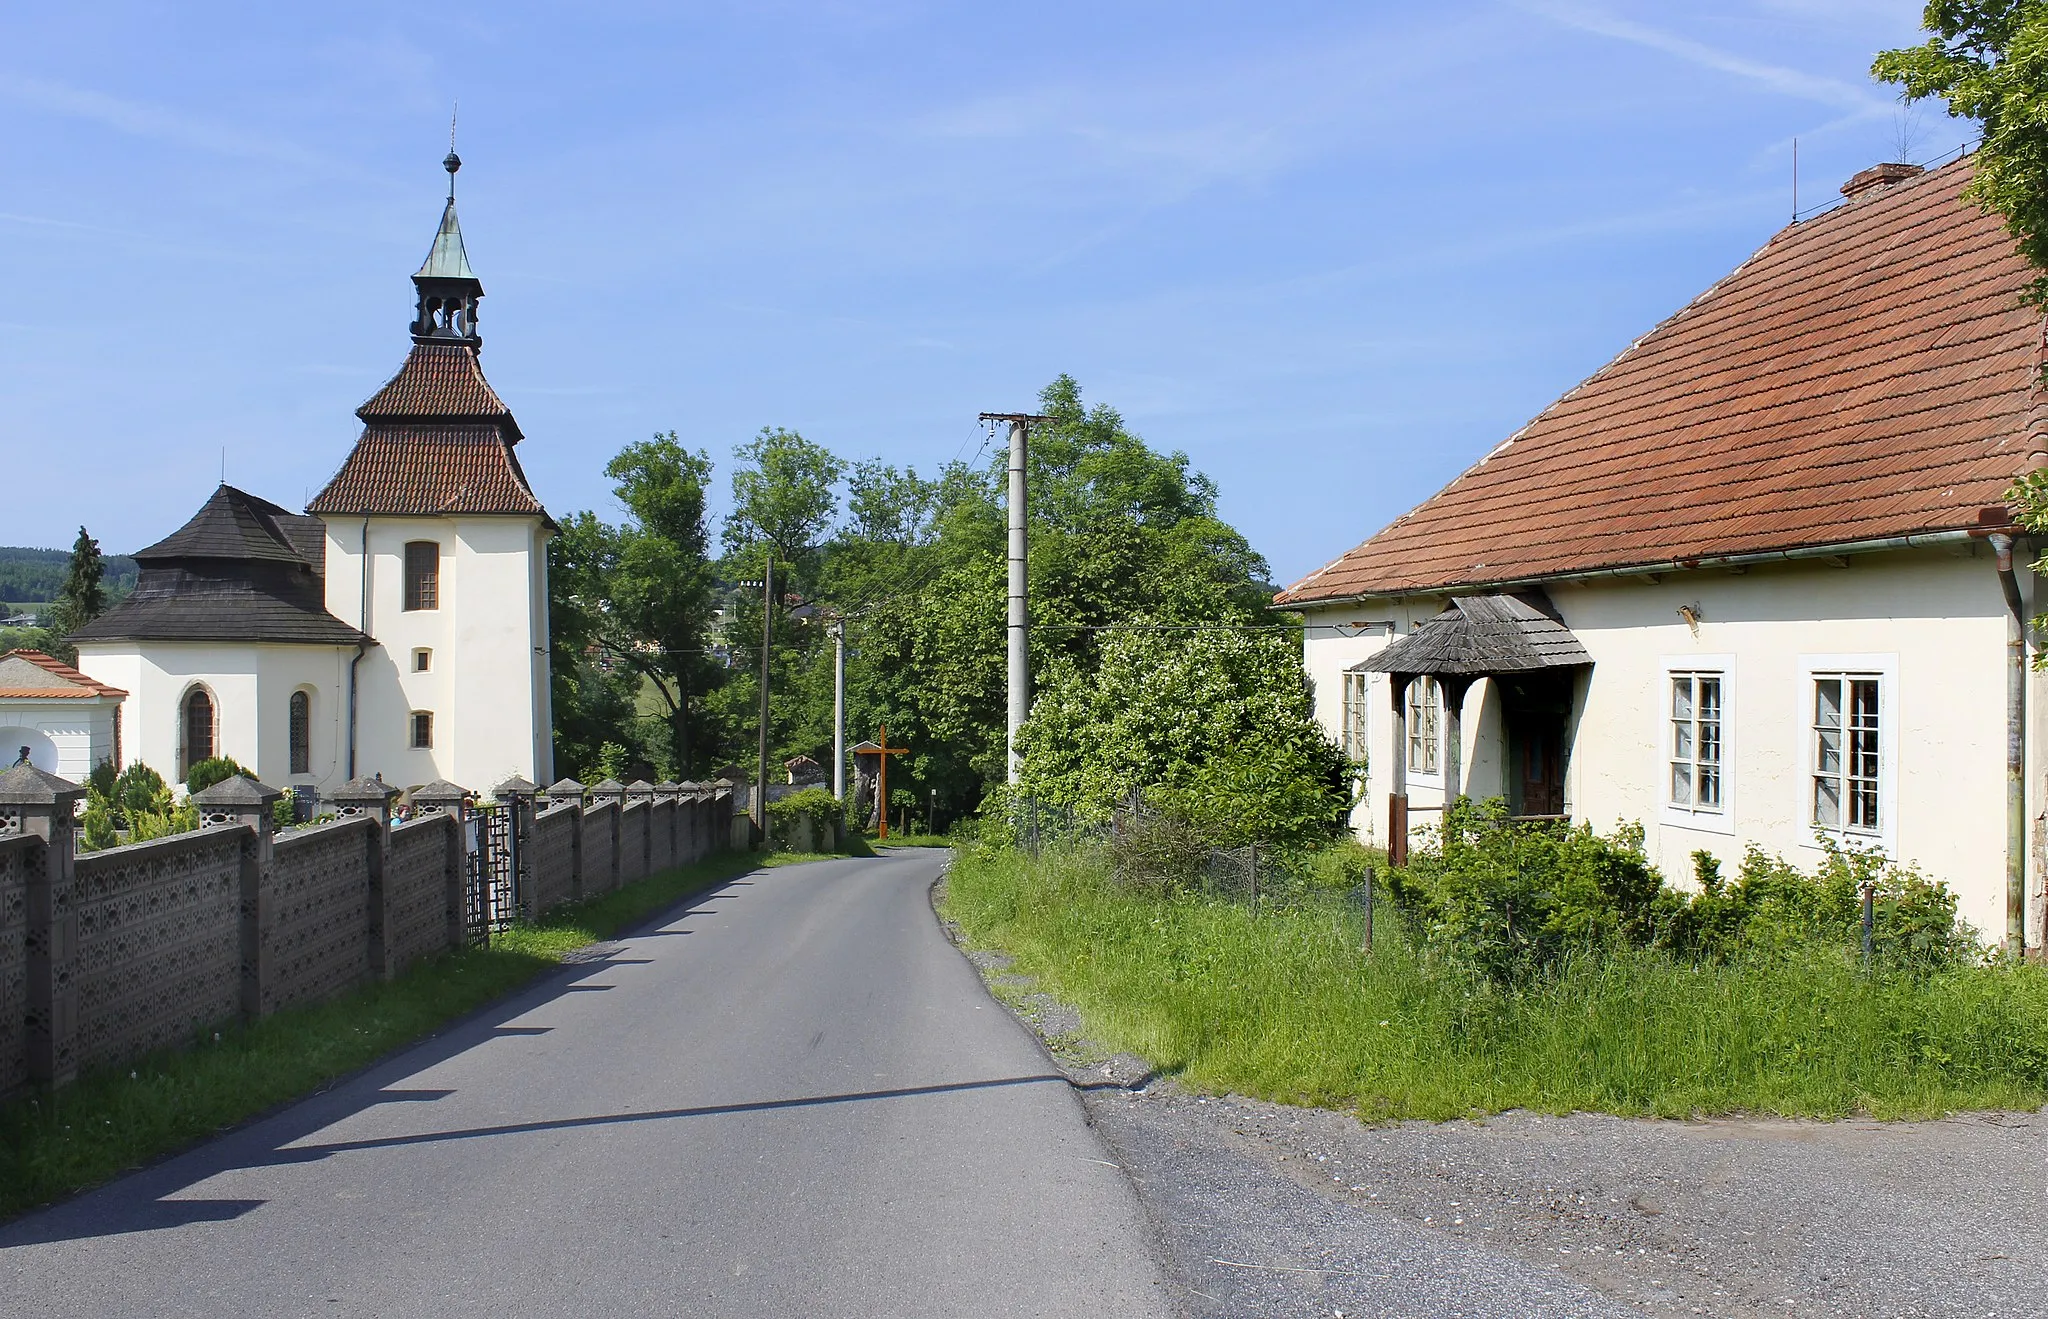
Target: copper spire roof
(437,440)
(1867,374)
(446,259)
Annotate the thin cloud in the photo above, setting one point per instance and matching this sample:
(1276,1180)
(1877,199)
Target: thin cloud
(155,122)
(1778,77)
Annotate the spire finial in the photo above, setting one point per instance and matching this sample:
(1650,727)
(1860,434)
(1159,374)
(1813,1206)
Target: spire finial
(452,162)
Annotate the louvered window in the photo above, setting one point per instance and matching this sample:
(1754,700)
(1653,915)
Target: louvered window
(423,574)
(1425,705)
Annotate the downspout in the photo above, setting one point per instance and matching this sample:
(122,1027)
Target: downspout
(2015,746)
(362,647)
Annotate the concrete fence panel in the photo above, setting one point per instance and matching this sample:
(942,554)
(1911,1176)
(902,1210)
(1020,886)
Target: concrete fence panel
(417,876)
(17,854)
(600,848)
(551,870)
(319,933)
(633,841)
(159,943)
(661,828)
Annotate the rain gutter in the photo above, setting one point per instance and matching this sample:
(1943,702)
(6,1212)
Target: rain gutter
(1839,549)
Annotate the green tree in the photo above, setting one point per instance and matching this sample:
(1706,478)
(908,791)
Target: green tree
(784,496)
(631,610)
(1223,720)
(81,599)
(1989,60)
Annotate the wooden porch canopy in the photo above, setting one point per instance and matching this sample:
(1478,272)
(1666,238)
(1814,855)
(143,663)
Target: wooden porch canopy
(1476,636)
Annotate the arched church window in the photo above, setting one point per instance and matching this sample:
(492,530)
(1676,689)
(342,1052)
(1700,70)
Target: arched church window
(423,574)
(198,729)
(302,733)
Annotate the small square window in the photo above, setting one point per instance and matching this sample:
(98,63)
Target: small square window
(422,661)
(422,729)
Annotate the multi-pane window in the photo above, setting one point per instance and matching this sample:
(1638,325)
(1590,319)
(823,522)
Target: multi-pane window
(1696,746)
(1847,766)
(302,733)
(422,729)
(1425,706)
(423,574)
(1357,690)
(198,729)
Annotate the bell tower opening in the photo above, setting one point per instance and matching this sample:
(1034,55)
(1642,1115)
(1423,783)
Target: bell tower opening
(448,289)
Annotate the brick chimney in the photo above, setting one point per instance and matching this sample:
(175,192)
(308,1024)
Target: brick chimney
(1878,177)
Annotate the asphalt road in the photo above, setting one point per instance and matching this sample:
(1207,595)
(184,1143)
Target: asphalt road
(792,1098)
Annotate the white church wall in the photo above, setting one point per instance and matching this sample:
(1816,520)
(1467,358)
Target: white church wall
(1931,622)
(482,685)
(496,708)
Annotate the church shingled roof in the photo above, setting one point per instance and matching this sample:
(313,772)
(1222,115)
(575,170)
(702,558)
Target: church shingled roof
(1869,373)
(439,382)
(234,524)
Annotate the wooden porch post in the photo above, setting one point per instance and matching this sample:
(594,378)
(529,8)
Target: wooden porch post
(1397,794)
(1454,689)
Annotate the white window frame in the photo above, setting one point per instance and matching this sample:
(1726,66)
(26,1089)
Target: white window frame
(1885,669)
(1409,723)
(1719,819)
(1354,713)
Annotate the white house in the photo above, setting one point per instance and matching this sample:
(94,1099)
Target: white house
(62,720)
(1755,581)
(399,627)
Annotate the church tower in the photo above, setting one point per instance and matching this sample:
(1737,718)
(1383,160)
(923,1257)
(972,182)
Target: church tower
(436,547)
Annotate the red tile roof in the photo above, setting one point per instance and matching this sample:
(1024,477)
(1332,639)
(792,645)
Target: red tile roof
(439,381)
(1868,374)
(429,470)
(73,685)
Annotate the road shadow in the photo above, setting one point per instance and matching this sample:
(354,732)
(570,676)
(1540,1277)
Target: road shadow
(147,1200)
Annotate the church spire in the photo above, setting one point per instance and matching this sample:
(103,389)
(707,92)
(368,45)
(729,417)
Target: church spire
(448,289)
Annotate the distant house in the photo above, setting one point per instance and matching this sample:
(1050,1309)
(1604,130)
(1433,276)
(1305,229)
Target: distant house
(67,722)
(1755,581)
(397,627)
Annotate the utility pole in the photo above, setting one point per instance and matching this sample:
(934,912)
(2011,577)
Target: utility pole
(839,708)
(1020,550)
(767,639)
(767,585)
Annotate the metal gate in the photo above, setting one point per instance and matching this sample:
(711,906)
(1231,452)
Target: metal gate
(497,868)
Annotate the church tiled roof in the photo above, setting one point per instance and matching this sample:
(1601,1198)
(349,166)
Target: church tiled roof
(1869,374)
(430,470)
(439,381)
(32,675)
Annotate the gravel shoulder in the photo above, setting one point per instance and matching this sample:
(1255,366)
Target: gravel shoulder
(1262,1209)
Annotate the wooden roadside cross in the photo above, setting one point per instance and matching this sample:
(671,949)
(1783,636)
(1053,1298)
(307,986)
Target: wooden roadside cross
(882,754)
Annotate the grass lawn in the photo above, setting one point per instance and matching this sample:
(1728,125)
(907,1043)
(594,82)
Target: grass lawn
(1284,1006)
(112,1121)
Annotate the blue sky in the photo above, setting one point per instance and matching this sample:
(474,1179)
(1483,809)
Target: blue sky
(1334,252)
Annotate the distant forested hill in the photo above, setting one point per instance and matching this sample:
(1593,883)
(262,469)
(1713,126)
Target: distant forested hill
(35,576)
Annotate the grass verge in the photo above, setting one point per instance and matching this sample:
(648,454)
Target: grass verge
(112,1121)
(1284,1006)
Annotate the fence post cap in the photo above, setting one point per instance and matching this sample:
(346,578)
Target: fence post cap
(640,788)
(25,785)
(608,788)
(439,790)
(565,788)
(516,786)
(363,791)
(239,792)
(668,787)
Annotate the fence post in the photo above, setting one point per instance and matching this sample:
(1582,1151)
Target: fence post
(444,798)
(613,792)
(371,798)
(243,802)
(1367,947)
(42,804)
